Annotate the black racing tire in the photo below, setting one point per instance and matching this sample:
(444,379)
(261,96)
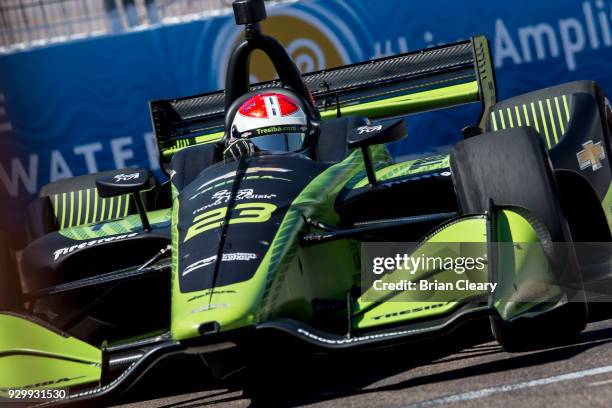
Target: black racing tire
(512,168)
(10,288)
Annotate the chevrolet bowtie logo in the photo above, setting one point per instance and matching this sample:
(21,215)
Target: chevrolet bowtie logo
(591,156)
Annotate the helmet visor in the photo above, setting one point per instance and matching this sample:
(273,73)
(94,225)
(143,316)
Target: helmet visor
(279,142)
(278,138)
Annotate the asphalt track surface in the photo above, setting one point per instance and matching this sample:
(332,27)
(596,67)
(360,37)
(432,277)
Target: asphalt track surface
(465,369)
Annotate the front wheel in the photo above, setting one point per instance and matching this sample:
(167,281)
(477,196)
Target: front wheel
(512,168)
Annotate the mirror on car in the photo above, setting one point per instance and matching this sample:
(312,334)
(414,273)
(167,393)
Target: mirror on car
(365,136)
(128,181)
(378,133)
(125,181)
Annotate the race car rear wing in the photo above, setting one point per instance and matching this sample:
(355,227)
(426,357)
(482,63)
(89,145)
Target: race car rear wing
(413,82)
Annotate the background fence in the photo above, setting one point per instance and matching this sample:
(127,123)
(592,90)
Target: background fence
(28,23)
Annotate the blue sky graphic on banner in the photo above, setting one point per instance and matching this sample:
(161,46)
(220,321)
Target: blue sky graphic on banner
(81,107)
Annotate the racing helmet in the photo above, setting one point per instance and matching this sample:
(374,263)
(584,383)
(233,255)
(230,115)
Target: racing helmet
(272,119)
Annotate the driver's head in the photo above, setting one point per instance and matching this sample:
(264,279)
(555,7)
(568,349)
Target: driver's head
(272,121)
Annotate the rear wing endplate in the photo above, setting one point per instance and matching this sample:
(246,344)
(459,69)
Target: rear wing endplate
(419,81)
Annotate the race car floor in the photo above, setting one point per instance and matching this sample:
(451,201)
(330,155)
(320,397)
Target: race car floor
(462,370)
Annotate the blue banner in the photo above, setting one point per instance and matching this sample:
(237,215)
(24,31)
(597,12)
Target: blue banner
(81,106)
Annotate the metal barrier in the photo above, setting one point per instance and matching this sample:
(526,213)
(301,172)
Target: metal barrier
(29,23)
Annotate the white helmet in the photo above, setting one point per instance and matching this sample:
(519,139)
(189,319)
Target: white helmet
(272,121)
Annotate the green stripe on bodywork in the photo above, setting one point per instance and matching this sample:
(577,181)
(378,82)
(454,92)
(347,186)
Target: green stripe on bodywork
(203,139)
(56,205)
(71,217)
(129,224)
(209,138)
(127,206)
(566,106)
(96,198)
(110,207)
(560,116)
(63,224)
(119,204)
(102,210)
(552,121)
(535,117)
(87,204)
(407,168)
(543,117)
(79,213)
(413,103)
(526,115)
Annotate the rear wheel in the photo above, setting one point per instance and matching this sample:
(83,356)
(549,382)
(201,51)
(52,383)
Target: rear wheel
(512,168)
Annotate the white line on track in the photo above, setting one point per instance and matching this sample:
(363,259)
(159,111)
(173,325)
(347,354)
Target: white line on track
(485,392)
(599,383)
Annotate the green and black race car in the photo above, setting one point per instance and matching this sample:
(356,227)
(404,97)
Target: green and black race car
(121,272)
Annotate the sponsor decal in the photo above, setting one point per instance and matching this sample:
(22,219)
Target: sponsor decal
(428,161)
(368,129)
(223,197)
(280,129)
(52,382)
(210,307)
(70,249)
(246,213)
(239,256)
(247,178)
(250,170)
(409,311)
(126,177)
(200,264)
(208,293)
(230,257)
(591,156)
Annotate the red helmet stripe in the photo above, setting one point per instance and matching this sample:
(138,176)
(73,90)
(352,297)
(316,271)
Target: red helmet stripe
(268,105)
(254,107)
(287,105)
